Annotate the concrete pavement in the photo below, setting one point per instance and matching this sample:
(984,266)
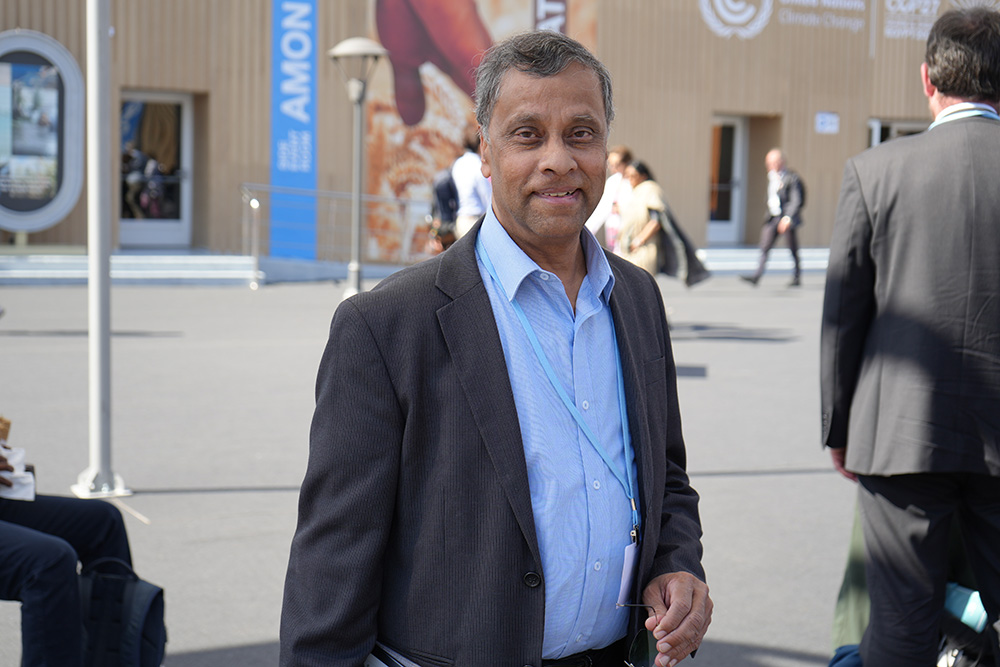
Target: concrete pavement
(211,401)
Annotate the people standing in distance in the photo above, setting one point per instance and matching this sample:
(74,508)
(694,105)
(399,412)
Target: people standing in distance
(605,222)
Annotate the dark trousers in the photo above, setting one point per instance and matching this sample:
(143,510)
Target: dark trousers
(612,655)
(769,236)
(40,544)
(907,529)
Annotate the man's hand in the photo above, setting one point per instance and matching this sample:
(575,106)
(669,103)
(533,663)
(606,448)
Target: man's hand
(5,467)
(839,456)
(681,613)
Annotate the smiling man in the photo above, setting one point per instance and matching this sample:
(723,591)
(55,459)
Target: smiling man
(496,470)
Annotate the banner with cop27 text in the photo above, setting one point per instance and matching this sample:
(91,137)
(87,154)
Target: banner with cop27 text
(293,127)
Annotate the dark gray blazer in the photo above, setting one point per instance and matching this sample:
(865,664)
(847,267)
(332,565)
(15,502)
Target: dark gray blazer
(791,198)
(911,320)
(415,519)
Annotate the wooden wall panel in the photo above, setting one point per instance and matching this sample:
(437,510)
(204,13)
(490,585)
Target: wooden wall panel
(896,76)
(672,76)
(218,51)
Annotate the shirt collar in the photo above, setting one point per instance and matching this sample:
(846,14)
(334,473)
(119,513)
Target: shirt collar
(962,106)
(513,265)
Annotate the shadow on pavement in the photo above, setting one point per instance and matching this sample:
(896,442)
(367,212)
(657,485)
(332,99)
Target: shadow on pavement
(725,654)
(255,655)
(83,333)
(728,332)
(711,654)
(216,489)
(692,371)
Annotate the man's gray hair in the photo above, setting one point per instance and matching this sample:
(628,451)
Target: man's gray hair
(541,53)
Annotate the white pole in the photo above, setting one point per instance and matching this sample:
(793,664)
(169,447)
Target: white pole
(356,91)
(98,480)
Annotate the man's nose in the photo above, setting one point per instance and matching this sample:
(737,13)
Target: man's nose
(557,156)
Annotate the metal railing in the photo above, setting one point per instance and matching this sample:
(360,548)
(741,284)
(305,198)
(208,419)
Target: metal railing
(394,230)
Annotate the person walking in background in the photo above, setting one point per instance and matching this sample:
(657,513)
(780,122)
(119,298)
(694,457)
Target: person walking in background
(910,345)
(479,492)
(474,189)
(650,236)
(643,218)
(605,221)
(785,198)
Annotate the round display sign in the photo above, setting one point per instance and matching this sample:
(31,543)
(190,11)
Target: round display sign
(41,131)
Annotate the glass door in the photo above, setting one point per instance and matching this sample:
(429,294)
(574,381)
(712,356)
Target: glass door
(156,145)
(727,192)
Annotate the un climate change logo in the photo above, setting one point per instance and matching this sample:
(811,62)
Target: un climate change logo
(971,4)
(735,17)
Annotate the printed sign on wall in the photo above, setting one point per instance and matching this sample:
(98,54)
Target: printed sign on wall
(41,131)
(420,105)
(727,18)
(293,128)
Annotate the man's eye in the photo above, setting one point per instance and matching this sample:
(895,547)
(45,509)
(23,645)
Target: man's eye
(525,134)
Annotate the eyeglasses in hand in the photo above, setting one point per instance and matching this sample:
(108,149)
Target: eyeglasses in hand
(642,651)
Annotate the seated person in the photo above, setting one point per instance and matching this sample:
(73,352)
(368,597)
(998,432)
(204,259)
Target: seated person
(40,544)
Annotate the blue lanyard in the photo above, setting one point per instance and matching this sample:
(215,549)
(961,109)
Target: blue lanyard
(626,479)
(964,113)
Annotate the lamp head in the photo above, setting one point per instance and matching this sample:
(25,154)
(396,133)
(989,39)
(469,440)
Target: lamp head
(356,57)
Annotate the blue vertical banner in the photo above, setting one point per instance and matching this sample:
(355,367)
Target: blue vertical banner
(294,59)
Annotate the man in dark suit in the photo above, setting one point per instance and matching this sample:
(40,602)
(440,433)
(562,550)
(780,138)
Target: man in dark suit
(911,344)
(785,197)
(496,464)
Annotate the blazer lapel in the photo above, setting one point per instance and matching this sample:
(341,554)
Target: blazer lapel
(469,329)
(623,313)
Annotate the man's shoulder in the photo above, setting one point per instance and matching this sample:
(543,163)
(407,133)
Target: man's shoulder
(429,283)
(942,138)
(409,286)
(791,176)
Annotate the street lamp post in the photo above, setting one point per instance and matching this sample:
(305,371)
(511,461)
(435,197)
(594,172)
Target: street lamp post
(356,58)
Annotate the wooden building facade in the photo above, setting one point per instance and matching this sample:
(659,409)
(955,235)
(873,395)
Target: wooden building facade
(703,89)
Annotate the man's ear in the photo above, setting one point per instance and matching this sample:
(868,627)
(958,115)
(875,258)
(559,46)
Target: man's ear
(930,90)
(485,154)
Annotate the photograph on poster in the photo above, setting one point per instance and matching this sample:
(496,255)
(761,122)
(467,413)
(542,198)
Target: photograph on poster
(30,96)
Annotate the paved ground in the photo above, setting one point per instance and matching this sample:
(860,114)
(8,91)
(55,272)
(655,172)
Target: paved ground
(211,401)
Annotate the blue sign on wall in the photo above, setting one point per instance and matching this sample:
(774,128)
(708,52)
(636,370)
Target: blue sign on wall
(293,127)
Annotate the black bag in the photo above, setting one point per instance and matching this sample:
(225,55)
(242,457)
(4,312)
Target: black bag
(667,260)
(122,617)
(801,185)
(445,196)
(961,646)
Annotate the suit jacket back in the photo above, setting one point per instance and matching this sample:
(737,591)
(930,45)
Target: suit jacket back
(911,320)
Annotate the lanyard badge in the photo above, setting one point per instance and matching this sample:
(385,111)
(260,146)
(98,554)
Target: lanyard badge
(624,477)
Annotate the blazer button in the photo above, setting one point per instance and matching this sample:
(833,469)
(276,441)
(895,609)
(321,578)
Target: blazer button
(532,579)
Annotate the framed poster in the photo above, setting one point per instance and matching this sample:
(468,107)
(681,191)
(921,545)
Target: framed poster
(41,131)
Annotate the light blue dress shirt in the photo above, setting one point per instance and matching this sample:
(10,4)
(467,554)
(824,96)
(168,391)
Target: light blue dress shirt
(582,515)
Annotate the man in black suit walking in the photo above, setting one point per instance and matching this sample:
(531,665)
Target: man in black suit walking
(911,344)
(785,197)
